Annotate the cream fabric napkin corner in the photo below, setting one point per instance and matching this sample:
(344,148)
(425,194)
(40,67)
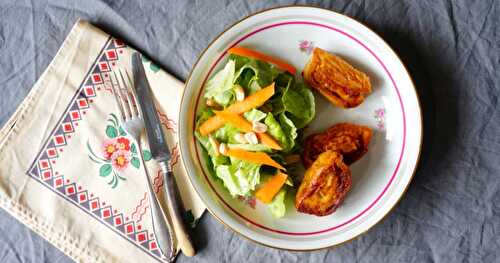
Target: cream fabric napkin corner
(59,173)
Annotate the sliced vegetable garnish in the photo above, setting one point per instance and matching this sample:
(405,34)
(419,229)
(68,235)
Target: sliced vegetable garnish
(246,52)
(211,125)
(299,102)
(235,119)
(253,101)
(277,207)
(271,187)
(245,126)
(254,113)
(254,157)
(219,87)
(276,131)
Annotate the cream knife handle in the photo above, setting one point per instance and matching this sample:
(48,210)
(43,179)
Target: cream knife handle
(176,209)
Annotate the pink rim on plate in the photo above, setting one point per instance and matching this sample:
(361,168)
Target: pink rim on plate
(399,98)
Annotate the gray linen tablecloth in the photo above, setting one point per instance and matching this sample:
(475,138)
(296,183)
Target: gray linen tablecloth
(451,212)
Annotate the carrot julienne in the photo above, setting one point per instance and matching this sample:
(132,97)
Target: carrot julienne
(254,157)
(271,187)
(246,52)
(253,101)
(245,126)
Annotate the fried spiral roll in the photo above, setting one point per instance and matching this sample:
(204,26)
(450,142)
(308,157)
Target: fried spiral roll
(325,184)
(337,80)
(350,140)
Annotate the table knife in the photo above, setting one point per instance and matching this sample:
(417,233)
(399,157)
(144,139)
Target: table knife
(161,154)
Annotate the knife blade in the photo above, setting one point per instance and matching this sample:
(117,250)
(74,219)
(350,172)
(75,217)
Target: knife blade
(157,142)
(161,154)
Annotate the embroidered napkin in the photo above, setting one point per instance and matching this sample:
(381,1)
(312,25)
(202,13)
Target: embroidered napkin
(67,169)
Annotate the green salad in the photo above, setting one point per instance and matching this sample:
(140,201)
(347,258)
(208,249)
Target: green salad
(248,150)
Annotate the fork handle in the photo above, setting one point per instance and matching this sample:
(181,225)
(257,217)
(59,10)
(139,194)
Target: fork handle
(163,234)
(162,226)
(177,209)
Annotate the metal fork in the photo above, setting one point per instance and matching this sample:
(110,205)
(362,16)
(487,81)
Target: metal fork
(132,122)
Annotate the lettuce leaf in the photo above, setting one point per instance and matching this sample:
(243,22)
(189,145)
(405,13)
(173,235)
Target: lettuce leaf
(283,82)
(292,108)
(283,131)
(253,74)
(231,182)
(208,160)
(289,129)
(295,99)
(277,207)
(249,171)
(215,159)
(240,177)
(299,102)
(220,86)
(254,115)
(204,115)
(226,133)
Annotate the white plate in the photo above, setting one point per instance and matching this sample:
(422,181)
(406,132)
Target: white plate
(392,110)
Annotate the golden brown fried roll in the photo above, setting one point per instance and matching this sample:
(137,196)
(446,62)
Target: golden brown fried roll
(350,140)
(336,79)
(324,186)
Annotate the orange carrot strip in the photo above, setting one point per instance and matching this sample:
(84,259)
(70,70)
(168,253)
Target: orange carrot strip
(254,157)
(245,126)
(236,120)
(269,141)
(246,52)
(271,187)
(210,125)
(253,101)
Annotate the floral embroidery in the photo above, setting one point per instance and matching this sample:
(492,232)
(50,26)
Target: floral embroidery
(306,46)
(123,143)
(120,160)
(109,148)
(379,115)
(249,200)
(117,153)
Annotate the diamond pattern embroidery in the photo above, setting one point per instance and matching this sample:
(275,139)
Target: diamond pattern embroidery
(82,197)
(42,167)
(58,182)
(96,78)
(44,164)
(59,140)
(47,174)
(89,91)
(51,152)
(118,220)
(103,66)
(67,127)
(75,115)
(111,55)
(82,103)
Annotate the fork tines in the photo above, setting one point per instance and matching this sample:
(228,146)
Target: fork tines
(124,95)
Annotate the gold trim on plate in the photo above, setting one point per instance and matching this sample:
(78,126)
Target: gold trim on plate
(421,128)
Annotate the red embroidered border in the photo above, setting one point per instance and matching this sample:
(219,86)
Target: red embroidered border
(42,167)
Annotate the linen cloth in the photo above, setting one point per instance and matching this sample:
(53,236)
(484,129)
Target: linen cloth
(450,212)
(71,173)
